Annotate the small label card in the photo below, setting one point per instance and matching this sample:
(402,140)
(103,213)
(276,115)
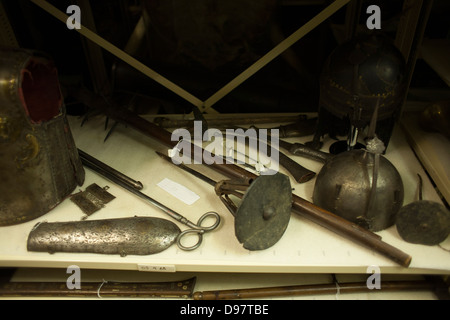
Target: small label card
(178,191)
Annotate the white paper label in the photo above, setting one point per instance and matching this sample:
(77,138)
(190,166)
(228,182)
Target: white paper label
(178,191)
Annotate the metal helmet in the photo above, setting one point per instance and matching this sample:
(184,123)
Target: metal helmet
(358,74)
(344,187)
(39,164)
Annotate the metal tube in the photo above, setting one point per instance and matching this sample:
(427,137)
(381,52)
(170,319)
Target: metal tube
(91,162)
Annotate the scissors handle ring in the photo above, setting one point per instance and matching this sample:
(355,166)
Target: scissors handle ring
(204,217)
(199,230)
(199,234)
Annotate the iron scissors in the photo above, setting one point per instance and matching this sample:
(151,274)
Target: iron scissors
(198,229)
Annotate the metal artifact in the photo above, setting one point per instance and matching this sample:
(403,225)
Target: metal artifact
(317,289)
(423,221)
(123,236)
(92,199)
(305,151)
(224,121)
(357,76)
(345,186)
(300,128)
(105,289)
(91,162)
(198,229)
(263,214)
(436,117)
(39,163)
(295,169)
(358,185)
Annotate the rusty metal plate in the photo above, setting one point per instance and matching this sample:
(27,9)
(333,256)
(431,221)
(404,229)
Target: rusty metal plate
(92,199)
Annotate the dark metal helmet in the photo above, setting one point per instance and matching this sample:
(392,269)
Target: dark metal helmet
(360,73)
(39,164)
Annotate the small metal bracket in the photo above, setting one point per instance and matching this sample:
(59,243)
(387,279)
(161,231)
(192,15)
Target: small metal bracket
(92,199)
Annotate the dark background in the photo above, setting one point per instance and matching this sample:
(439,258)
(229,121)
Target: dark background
(202,45)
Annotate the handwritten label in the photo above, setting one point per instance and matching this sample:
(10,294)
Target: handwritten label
(156,268)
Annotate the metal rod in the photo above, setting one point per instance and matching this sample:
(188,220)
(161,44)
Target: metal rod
(102,169)
(191,171)
(91,162)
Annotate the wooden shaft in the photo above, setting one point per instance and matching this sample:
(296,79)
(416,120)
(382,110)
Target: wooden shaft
(348,230)
(334,223)
(182,288)
(304,290)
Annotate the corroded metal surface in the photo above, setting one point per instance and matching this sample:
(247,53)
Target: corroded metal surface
(39,164)
(92,199)
(344,186)
(264,213)
(359,76)
(423,222)
(361,72)
(123,236)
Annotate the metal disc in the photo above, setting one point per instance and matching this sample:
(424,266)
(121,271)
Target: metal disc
(264,213)
(423,222)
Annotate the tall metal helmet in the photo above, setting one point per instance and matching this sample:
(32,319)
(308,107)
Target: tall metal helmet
(39,163)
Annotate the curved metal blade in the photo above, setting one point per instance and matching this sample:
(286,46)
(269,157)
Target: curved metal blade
(124,236)
(264,213)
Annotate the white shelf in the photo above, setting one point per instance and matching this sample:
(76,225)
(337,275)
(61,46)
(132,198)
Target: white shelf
(304,248)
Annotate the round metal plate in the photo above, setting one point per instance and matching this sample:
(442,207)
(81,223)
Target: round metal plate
(264,213)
